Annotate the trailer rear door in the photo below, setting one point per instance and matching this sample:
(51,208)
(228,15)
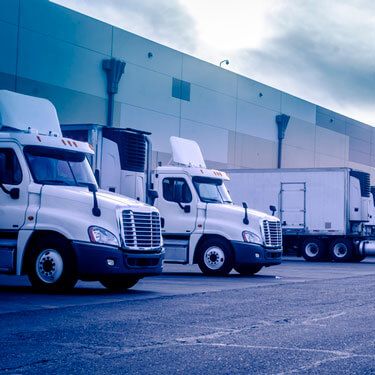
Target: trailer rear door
(293,205)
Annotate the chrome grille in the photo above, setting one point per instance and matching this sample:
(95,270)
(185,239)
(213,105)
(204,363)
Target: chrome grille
(141,230)
(272,233)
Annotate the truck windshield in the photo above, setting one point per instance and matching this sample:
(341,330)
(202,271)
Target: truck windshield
(211,190)
(53,166)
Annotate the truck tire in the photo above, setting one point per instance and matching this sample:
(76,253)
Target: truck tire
(215,257)
(341,250)
(248,270)
(119,283)
(313,250)
(51,265)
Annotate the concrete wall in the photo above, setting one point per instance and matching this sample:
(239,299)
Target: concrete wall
(53,52)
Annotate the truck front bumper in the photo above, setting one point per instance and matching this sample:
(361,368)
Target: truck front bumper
(250,253)
(96,260)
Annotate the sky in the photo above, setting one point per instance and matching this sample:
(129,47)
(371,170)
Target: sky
(320,50)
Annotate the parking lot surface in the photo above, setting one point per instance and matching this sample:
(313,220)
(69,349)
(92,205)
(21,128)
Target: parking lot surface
(298,317)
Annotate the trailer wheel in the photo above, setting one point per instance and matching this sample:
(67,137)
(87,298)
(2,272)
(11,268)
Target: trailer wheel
(119,283)
(51,266)
(341,250)
(313,250)
(248,270)
(215,257)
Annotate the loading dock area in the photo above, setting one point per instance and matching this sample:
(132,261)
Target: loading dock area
(297,317)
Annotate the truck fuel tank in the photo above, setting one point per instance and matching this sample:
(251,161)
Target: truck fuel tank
(367,248)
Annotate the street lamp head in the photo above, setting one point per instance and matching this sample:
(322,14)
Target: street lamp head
(226,62)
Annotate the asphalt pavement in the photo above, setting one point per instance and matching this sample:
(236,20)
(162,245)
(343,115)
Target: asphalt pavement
(299,317)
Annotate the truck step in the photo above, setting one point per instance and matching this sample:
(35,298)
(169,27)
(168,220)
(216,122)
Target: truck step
(176,250)
(8,243)
(8,255)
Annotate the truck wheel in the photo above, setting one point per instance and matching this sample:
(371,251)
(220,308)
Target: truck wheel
(341,250)
(51,266)
(215,258)
(313,250)
(119,283)
(248,269)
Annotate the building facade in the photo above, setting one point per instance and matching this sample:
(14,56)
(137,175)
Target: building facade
(56,53)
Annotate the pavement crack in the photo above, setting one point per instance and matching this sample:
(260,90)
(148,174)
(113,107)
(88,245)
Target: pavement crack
(27,365)
(312,320)
(200,338)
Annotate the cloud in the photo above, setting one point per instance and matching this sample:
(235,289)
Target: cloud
(164,21)
(323,52)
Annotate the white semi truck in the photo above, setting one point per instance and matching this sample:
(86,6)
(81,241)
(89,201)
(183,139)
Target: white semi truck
(200,224)
(55,225)
(325,213)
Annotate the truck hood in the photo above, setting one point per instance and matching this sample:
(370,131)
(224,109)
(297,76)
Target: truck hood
(227,220)
(68,210)
(81,195)
(238,211)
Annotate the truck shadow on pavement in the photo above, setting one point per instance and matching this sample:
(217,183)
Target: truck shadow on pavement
(230,276)
(77,291)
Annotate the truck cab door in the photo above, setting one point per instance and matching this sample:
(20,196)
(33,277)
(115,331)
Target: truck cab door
(13,191)
(13,205)
(177,203)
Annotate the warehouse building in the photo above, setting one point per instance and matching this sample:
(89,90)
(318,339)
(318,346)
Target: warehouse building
(56,53)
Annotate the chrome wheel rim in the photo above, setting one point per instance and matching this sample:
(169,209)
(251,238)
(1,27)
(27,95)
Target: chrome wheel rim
(214,258)
(49,266)
(340,250)
(312,249)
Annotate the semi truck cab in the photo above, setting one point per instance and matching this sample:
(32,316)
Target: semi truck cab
(200,223)
(56,226)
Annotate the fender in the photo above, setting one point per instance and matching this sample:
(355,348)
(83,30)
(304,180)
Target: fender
(195,238)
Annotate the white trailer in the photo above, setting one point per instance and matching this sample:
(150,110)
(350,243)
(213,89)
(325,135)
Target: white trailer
(55,225)
(200,224)
(324,212)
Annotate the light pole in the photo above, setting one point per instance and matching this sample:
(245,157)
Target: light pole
(226,62)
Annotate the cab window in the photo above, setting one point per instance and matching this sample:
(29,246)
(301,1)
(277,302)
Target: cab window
(176,190)
(10,169)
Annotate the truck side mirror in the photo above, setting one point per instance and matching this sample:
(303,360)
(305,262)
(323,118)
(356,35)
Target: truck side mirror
(273,209)
(92,188)
(152,194)
(187,209)
(14,193)
(95,210)
(246,218)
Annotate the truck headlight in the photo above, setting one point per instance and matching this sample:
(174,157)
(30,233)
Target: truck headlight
(101,235)
(251,237)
